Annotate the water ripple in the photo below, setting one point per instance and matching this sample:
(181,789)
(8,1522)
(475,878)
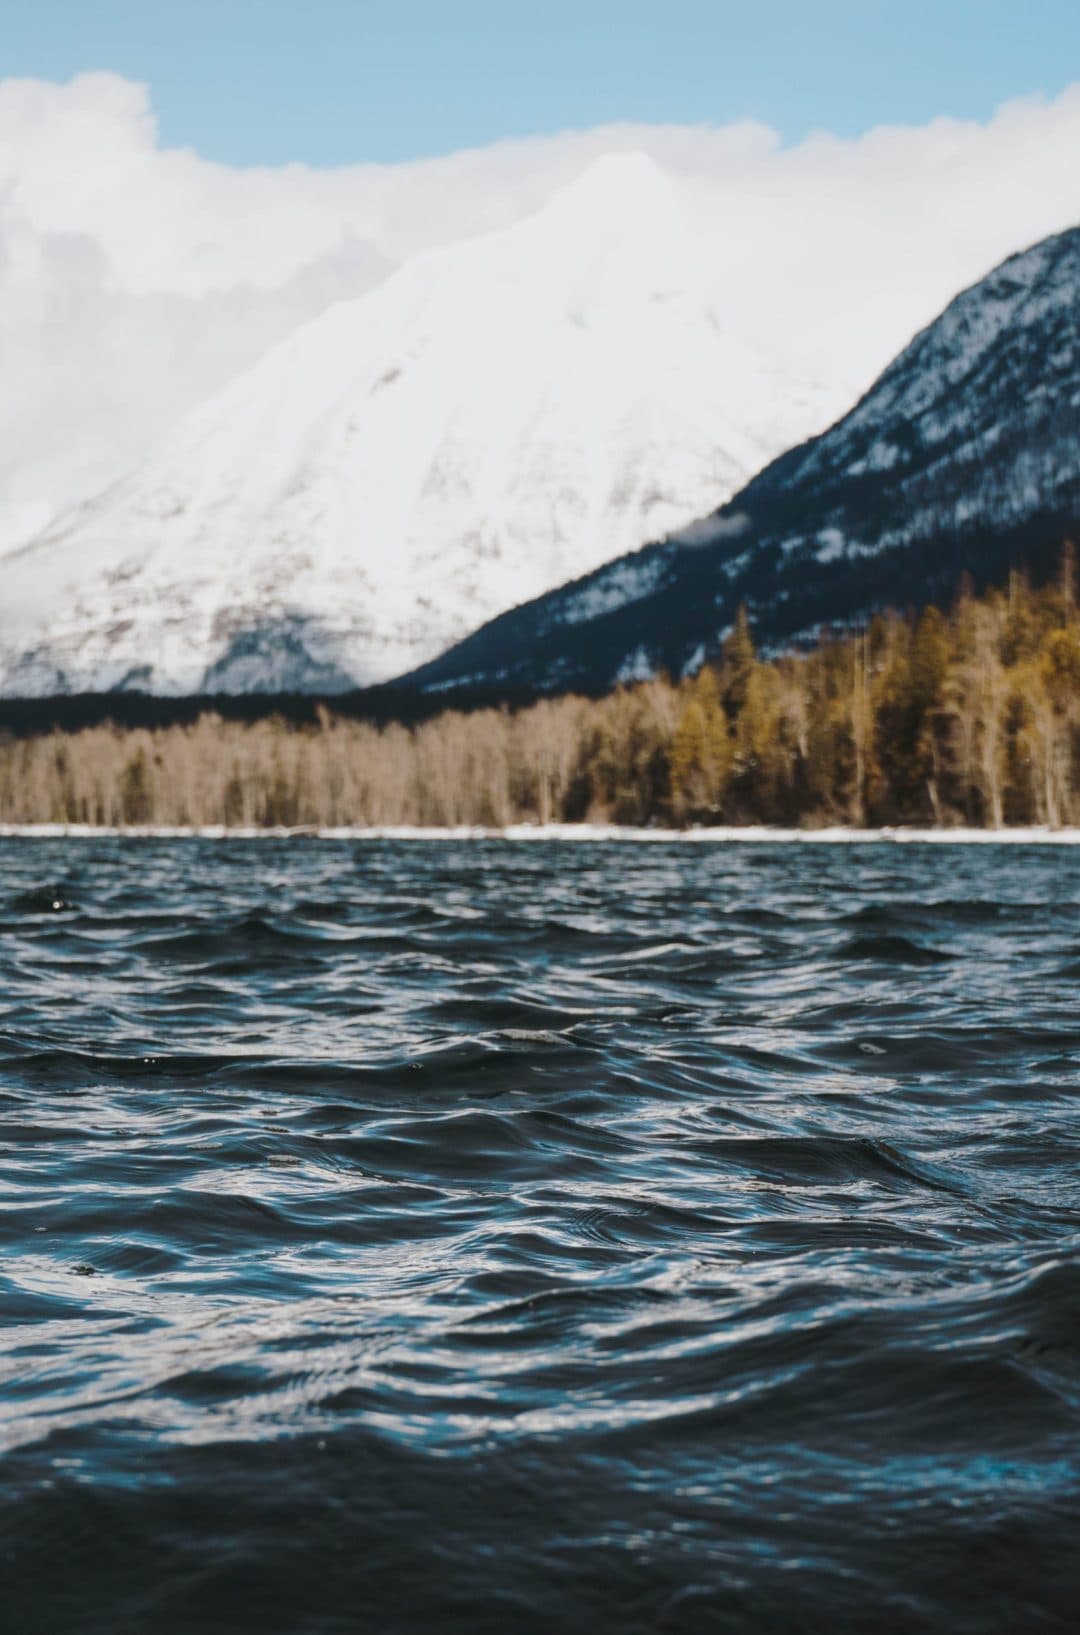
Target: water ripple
(479,1237)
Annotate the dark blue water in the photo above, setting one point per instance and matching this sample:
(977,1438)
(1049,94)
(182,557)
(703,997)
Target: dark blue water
(546,1237)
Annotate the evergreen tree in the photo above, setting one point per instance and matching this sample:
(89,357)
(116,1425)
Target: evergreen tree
(738,657)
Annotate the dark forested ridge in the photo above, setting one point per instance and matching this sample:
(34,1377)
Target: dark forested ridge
(963,457)
(965,717)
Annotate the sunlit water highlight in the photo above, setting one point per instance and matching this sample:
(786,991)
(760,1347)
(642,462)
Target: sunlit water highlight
(479,1236)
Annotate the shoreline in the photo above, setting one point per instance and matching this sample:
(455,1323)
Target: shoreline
(578,832)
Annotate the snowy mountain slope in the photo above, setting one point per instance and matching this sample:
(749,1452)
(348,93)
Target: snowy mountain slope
(491,421)
(94,374)
(965,455)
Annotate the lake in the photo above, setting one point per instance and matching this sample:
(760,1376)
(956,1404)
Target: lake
(478,1236)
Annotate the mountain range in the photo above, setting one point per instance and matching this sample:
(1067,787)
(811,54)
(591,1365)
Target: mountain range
(495,418)
(362,508)
(963,458)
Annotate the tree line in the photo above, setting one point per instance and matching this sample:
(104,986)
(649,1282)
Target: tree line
(970,716)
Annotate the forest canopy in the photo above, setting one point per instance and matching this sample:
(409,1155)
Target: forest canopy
(965,717)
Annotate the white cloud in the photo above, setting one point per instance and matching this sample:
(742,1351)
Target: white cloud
(135,280)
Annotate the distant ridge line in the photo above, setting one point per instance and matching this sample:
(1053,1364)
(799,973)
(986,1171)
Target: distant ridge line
(70,712)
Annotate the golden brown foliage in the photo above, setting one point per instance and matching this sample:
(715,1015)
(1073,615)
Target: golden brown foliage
(972,717)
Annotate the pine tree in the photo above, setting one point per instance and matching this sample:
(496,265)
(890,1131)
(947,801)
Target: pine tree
(738,657)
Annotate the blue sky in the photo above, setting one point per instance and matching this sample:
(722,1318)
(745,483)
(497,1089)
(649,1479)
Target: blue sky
(336,81)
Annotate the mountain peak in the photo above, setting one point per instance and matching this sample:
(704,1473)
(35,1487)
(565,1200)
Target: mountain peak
(498,417)
(621,191)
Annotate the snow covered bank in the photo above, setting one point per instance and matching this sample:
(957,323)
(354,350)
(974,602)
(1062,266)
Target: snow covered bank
(596,832)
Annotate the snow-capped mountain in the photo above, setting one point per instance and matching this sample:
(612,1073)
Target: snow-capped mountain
(964,456)
(494,419)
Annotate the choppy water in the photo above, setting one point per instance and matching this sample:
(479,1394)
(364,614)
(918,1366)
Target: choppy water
(482,1237)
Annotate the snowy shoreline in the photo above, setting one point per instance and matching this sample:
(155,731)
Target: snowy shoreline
(595,832)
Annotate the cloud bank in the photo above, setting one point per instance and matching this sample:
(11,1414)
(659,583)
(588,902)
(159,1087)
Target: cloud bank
(135,280)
